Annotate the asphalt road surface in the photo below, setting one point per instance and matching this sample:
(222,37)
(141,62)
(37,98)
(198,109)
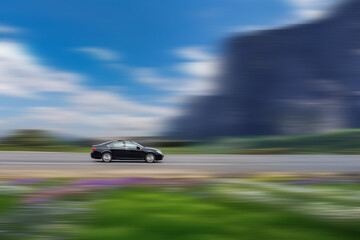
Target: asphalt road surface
(45,164)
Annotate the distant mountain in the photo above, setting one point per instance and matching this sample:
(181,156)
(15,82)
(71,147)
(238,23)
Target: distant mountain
(297,79)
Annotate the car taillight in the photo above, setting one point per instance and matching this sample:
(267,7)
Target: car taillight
(93,148)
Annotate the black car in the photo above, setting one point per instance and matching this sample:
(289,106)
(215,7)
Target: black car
(122,149)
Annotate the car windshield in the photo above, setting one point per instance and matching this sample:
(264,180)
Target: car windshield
(137,144)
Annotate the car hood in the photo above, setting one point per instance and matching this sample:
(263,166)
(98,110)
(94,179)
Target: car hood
(154,149)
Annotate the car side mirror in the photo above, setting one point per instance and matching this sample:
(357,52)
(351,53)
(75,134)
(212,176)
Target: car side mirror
(138,147)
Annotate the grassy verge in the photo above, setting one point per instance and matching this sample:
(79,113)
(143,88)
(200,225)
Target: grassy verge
(147,214)
(249,209)
(6,202)
(47,149)
(339,142)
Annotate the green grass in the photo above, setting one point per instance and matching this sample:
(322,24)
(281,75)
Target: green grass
(6,202)
(155,214)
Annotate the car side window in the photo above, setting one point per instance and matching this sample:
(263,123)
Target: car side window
(119,144)
(130,145)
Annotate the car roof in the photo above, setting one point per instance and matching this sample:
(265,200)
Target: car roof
(108,142)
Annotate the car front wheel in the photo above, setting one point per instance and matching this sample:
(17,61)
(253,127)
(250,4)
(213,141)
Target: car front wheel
(106,157)
(150,158)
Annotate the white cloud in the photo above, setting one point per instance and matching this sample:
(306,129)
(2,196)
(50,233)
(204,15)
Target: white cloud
(312,13)
(199,63)
(250,28)
(203,69)
(194,53)
(9,29)
(194,74)
(99,53)
(305,3)
(301,11)
(23,76)
(152,77)
(105,101)
(91,112)
(84,111)
(200,68)
(310,9)
(107,124)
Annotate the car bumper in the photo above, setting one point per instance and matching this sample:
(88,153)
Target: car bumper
(159,157)
(95,155)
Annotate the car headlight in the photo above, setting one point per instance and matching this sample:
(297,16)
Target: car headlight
(158,151)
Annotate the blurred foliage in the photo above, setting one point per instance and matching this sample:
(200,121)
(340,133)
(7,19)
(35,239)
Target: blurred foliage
(346,141)
(31,138)
(173,143)
(339,142)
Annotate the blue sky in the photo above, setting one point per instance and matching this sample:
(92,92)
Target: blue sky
(142,59)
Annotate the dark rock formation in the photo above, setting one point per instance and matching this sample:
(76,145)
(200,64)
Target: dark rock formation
(294,80)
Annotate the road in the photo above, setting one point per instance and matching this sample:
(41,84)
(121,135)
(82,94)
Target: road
(45,164)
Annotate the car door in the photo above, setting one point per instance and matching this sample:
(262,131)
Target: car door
(118,150)
(133,150)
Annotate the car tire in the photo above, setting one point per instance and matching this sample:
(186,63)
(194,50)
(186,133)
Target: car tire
(106,157)
(150,158)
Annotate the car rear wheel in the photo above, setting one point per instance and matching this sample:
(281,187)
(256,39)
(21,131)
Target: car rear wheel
(106,157)
(150,158)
